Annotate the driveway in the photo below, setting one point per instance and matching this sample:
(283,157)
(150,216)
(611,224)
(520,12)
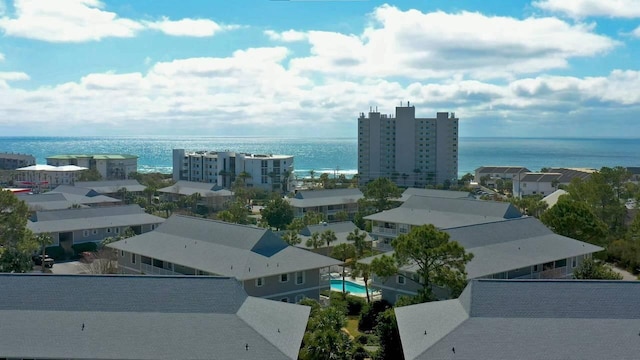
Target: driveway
(69,267)
(625,274)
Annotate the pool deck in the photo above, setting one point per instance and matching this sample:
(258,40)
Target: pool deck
(374,295)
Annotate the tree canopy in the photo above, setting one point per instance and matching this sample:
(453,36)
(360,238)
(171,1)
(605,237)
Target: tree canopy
(278,213)
(17,243)
(437,260)
(380,193)
(575,220)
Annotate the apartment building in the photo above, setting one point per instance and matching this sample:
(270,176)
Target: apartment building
(408,150)
(11,161)
(110,166)
(266,171)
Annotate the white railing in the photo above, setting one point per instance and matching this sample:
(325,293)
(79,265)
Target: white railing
(153,270)
(383,230)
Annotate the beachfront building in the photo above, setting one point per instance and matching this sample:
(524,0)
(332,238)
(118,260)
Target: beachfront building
(269,172)
(326,202)
(13,161)
(408,150)
(79,225)
(110,167)
(107,317)
(545,183)
(265,264)
(488,175)
(526,320)
(45,177)
(519,248)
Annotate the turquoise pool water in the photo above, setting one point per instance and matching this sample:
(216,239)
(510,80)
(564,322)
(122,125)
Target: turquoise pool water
(353,288)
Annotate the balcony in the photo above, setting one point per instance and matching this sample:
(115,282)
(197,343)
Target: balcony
(384,231)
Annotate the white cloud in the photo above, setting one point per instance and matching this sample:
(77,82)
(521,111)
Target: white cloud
(66,21)
(636,32)
(1,56)
(286,36)
(585,8)
(416,45)
(188,27)
(86,20)
(5,77)
(255,91)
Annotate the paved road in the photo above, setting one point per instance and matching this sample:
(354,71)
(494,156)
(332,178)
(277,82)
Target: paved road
(625,274)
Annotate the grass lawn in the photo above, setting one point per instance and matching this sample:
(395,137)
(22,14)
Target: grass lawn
(352,326)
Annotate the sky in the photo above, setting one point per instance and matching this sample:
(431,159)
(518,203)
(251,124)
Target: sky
(277,68)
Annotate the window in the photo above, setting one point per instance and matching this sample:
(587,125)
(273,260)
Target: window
(535,268)
(259,282)
(285,299)
(153,226)
(117,230)
(133,258)
(94,232)
(109,230)
(85,233)
(145,260)
(299,277)
(401,280)
(121,253)
(574,261)
(284,278)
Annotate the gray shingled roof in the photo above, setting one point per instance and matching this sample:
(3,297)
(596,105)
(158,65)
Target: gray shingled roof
(143,317)
(532,319)
(510,245)
(514,244)
(447,213)
(501,169)
(240,251)
(69,189)
(111,186)
(434,193)
(313,198)
(90,218)
(183,187)
(541,177)
(58,201)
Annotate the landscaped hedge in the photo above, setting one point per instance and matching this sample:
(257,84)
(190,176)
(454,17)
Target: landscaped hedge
(82,247)
(369,316)
(56,252)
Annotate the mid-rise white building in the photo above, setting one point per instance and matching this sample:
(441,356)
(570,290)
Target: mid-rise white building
(410,151)
(269,172)
(110,166)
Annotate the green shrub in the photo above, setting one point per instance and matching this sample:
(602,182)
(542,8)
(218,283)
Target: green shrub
(86,246)
(56,252)
(368,317)
(354,305)
(360,354)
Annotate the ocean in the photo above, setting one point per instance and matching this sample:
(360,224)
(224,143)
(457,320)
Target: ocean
(339,155)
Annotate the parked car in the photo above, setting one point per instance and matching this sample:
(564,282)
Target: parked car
(40,260)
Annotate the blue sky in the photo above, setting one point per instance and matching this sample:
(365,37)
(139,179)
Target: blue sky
(561,68)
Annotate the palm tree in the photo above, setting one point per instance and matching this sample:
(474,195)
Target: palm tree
(363,271)
(358,237)
(312,174)
(292,238)
(345,253)
(149,191)
(328,236)
(314,241)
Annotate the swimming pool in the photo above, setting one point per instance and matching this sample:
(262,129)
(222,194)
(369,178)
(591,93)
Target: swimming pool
(350,286)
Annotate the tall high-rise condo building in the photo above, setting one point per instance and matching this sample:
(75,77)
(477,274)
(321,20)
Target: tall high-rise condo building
(408,150)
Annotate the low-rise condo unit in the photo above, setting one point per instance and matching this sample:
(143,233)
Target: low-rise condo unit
(526,320)
(328,203)
(105,317)
(262,261)
(13,161)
